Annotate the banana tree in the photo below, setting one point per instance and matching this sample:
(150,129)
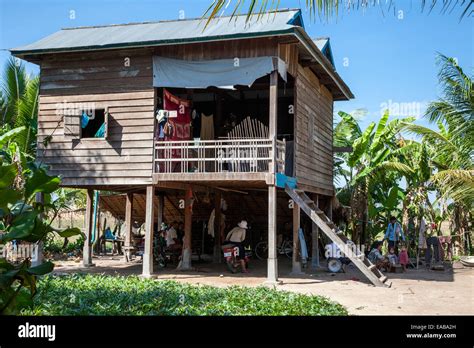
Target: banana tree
(374,154)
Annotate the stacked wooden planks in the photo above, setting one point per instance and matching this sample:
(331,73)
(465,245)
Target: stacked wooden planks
(118,81)
(313,134)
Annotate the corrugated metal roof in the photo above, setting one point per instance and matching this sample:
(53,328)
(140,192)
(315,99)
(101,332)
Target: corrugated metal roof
(321,43)
(164,32)
(325,47)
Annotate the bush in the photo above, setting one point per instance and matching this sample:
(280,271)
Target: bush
(109,295)
(55,246)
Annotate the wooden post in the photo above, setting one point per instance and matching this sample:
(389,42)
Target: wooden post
(128,226)
(272,267)
(149,218)
(217,228)
(185,263)
(87,251)
(315,239)
(161,207)
(296,262)
(273,107)
(329,211)
(38,257)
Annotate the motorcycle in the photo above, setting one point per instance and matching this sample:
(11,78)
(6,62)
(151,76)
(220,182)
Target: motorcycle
(231,253)
(159,254)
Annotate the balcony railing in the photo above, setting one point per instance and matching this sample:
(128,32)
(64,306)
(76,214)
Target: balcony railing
(220,156)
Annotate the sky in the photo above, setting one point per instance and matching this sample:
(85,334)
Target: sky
(387,59)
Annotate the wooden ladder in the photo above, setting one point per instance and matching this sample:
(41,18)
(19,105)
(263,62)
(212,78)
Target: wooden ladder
(329,228)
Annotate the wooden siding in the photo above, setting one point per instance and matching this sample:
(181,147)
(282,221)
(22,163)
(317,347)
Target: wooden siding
(313,134)
(126,157)
(289,53)
(105,80)
(221,49)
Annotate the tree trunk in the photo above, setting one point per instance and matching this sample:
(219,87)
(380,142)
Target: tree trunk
(359,208)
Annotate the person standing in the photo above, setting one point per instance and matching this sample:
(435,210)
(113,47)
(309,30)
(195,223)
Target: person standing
(432,246)
(393,233)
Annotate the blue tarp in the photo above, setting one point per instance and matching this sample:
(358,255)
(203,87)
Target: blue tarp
(225,73)
(304,249)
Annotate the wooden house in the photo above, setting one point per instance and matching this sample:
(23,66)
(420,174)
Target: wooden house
(177,109)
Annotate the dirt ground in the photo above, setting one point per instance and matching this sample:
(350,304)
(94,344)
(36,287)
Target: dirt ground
(416,292)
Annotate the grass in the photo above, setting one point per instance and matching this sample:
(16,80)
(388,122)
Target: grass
(108,295)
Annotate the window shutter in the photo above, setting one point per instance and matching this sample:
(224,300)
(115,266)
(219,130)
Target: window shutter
(106,121)
(72,125)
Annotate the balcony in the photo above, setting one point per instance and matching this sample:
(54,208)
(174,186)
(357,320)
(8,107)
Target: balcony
(219,160)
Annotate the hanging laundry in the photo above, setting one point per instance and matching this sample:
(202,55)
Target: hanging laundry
(196,124)
(178,126)
(207,127)
(179,116)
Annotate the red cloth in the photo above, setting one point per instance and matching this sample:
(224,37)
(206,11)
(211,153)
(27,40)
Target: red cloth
(180,121)
(403,257)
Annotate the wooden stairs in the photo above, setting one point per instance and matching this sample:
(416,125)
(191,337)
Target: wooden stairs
(329,228)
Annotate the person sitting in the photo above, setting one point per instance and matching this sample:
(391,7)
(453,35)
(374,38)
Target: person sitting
(171,236)
(376,257)
(236,237)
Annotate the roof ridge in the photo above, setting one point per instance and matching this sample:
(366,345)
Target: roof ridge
(176,20)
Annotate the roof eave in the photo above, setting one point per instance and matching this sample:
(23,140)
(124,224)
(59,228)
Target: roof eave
(21,53)
(323,62)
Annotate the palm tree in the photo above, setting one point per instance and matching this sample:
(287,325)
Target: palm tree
(453,144)
(19,104)
(454,141)
(329,8)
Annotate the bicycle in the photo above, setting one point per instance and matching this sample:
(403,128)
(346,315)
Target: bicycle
(286,248)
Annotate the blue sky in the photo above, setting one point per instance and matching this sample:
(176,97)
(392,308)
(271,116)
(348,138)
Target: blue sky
(385,59)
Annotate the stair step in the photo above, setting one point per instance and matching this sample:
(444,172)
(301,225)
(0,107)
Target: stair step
(323,222)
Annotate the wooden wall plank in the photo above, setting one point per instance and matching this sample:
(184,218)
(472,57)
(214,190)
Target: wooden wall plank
(313,140)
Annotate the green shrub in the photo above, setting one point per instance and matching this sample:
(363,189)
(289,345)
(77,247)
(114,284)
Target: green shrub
(109,295)
(56,245)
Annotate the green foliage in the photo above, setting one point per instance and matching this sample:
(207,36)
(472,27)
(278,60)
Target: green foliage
(19,105)
(22,219)
(451,148)
(441,162)
(325,9)
(57,245)
(109,295)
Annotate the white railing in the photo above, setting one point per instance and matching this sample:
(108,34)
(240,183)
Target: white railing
(219,156)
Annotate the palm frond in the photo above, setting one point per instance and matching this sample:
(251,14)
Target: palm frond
(331,8)
(455,184)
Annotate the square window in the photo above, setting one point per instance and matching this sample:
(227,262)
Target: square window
(93,123)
